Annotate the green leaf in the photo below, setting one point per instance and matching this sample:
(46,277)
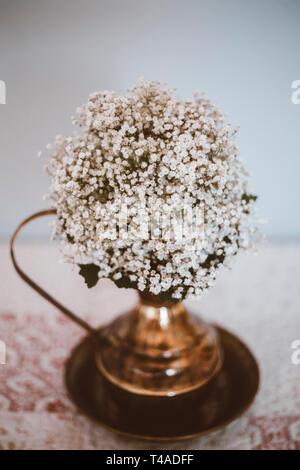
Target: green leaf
(248,197)
(90,274)
(124,282)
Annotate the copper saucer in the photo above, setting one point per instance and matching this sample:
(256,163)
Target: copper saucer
(189,415)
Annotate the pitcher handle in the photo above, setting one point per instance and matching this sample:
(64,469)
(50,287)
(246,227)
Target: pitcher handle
(35,286)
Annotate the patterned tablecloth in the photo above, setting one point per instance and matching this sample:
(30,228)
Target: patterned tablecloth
(258,299)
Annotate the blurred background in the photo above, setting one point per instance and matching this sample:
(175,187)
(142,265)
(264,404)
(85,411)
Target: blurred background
(243,54)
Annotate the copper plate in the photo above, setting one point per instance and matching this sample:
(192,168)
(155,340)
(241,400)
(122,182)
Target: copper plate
(189,415)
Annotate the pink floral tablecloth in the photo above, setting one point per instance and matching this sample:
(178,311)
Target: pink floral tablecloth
(258,299)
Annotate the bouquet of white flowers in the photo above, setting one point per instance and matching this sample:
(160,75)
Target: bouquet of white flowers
(150,192)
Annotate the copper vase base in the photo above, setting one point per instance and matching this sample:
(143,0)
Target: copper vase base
(209,408)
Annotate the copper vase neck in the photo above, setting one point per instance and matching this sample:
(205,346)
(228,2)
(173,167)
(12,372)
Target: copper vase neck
(154,310)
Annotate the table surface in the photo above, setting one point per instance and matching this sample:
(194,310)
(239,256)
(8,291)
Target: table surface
(258,300)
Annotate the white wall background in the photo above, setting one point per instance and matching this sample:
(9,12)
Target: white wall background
(244,54)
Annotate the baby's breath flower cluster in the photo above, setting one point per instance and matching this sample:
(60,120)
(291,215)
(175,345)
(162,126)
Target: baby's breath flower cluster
(150,147)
